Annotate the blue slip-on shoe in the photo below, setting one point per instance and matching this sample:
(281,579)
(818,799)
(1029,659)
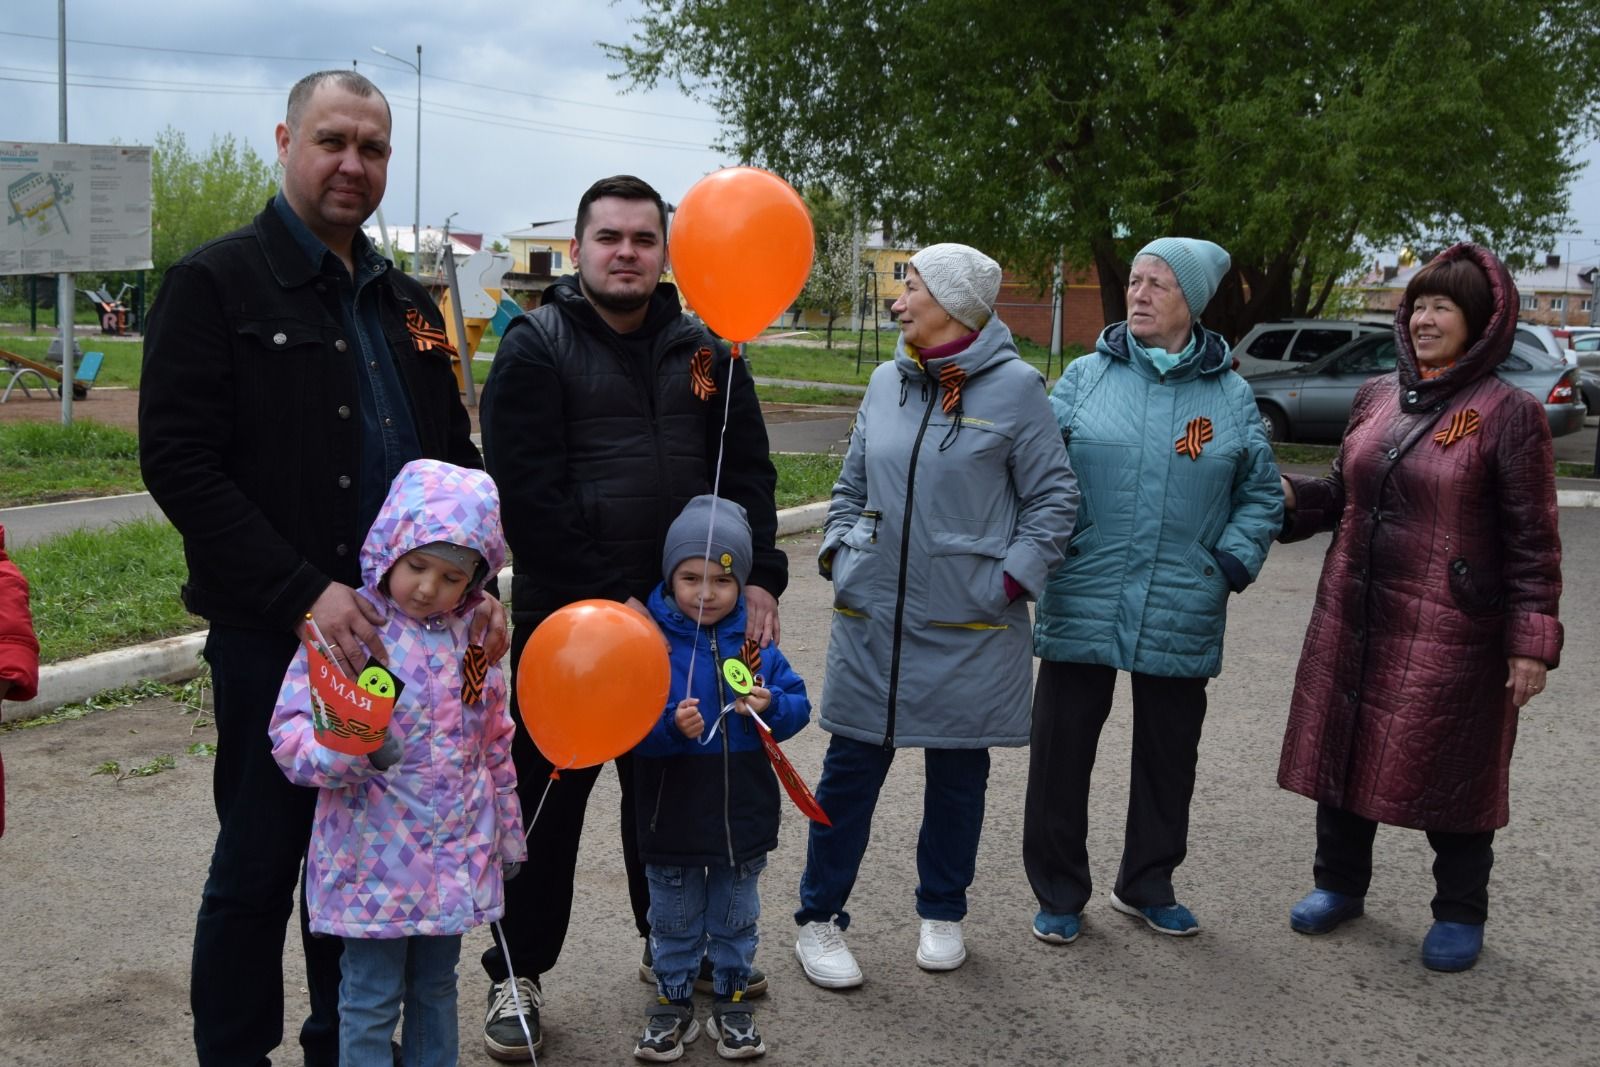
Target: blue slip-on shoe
(1452,946)
(1057,929)
(1173,919)
(1322,910)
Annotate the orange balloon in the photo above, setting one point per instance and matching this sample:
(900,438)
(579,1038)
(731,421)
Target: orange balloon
(591,683)
(741,248)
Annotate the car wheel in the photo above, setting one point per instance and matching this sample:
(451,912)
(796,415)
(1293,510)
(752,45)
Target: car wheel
(1273,424)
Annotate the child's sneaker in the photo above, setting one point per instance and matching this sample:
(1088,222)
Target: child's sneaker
(735,1026)
(668,1027)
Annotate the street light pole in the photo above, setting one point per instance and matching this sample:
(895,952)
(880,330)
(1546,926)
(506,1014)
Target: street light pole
(416,211)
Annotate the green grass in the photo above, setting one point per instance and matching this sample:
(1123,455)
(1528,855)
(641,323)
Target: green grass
(48,461)
(1320,454)
(99,589)
(1574,470)
(805,477)
(838,365)
(783,394)
(16,311)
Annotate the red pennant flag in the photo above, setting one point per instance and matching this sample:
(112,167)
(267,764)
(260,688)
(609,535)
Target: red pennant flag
(797,789)
(349,716)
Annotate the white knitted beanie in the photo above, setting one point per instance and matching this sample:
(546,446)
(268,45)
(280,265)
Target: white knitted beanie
(962,279)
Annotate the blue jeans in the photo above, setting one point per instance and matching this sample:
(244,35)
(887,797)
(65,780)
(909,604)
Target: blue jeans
(378,975)
(947,847)
(706,912)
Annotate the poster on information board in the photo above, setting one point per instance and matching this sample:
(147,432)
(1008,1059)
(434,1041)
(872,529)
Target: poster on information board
(74,208)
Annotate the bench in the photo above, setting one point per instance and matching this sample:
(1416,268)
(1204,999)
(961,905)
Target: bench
(19,368)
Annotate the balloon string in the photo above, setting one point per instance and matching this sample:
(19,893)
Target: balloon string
(716,486)
(516,993)
(505,946)
(706,737)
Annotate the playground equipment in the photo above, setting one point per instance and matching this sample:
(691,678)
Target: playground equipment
(18,369)
(113,312)
(465,319)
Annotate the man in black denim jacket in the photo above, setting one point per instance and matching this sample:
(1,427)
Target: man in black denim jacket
(289,372)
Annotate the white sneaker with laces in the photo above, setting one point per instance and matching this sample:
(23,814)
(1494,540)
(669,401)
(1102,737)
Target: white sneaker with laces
(940,947)
(821,950)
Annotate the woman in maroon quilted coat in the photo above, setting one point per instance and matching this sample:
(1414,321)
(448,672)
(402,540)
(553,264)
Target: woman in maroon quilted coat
(1435,619)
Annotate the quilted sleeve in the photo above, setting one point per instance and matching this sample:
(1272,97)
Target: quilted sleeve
(1530,542)
(1257,505)
(498,732)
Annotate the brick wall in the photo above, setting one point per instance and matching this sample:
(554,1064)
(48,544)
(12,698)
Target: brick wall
(1027,311)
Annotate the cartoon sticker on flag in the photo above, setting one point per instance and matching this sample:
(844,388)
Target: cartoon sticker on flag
(350,716)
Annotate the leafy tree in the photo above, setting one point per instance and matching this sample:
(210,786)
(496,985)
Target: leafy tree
(836,267)
(196,196)
(1289,131)
(835,276)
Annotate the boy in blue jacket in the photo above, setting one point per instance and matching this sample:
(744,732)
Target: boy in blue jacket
(707,796)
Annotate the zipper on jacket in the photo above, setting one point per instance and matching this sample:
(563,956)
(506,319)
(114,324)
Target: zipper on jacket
(727,787)
(661,787)
(900,587)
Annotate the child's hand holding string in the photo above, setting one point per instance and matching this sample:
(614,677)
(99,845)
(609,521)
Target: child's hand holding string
(758,701)
(687,718)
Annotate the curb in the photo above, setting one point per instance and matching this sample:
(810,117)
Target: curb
(177,659)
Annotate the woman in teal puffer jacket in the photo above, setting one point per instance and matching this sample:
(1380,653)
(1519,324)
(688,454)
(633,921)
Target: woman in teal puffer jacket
(1180,501)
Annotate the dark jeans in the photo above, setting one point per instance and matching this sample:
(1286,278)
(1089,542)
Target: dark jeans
(236,983)
(1070,706)
(1461,864)
(539,904)
(957,780)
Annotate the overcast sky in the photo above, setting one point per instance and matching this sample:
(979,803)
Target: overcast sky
(540,120)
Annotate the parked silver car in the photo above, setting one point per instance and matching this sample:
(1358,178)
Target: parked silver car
(1280,344)
(1313,402)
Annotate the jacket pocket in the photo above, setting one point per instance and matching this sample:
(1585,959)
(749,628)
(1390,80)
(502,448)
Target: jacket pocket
(281,336)
(966,585)
(853,563)
(1207,571)
(1471,592)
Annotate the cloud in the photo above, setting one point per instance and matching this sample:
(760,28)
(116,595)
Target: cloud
(539,122)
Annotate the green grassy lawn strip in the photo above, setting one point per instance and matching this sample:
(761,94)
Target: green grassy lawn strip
(807,394)
(99,589)
(804,477)
(838,365)
(47,461)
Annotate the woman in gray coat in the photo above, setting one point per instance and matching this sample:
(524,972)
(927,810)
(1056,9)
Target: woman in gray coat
(953,506)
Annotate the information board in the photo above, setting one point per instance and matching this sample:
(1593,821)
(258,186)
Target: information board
(74,208)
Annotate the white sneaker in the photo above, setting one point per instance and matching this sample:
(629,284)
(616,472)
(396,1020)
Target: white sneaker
(821,950)
(940,948)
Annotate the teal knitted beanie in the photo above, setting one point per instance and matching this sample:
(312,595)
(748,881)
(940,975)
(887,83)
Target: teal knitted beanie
(1199,265)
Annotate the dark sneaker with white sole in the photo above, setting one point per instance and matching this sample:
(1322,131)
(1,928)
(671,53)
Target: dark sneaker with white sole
(667,1028)
(510,1005)
(704,982)
(734,1026)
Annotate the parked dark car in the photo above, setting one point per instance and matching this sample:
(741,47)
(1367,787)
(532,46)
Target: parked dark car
(1313,402)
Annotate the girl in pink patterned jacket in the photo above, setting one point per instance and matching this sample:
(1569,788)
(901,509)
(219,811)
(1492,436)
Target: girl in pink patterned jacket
(410,842)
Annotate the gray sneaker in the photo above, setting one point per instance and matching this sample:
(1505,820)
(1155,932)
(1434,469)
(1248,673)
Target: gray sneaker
(510,1005)
(734,1025)
(667,1028)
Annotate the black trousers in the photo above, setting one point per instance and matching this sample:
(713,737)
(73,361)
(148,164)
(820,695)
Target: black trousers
(539,902)
(1461,864)
(1070,706)
(236,980)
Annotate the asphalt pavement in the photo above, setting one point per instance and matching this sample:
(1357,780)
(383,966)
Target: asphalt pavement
(101,879)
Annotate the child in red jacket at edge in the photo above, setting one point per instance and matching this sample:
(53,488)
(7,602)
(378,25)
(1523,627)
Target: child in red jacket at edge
(19,648)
